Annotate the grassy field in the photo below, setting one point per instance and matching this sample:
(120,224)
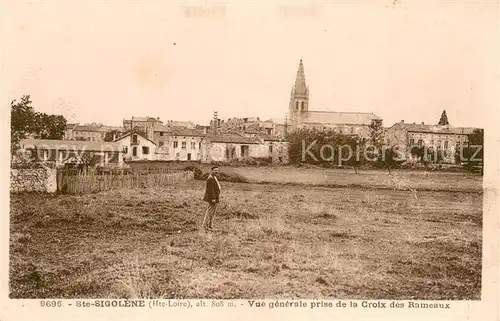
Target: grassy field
(400,179)
(275,241)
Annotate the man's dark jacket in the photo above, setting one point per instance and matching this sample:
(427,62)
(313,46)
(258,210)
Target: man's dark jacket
(212,190)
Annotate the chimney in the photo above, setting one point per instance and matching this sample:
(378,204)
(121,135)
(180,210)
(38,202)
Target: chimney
(214,123)
(423,123)
(402,121)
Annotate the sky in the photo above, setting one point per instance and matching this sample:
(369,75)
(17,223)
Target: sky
(103,61)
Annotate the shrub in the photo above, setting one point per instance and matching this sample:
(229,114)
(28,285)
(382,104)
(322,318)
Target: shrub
(198,173)
(228,177)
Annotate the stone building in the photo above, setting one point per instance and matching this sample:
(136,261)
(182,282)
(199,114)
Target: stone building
(90,132)
(184,124)
(185,144)
(445,139)
(225,147)
(62,152)
(300,115)
(146,124)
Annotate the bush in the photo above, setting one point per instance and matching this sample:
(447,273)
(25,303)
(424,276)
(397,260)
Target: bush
(228,177)
(198,173)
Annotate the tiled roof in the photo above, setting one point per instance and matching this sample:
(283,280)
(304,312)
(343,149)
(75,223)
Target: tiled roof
(436,129)
(87,128)
(269,138)
(252,130)
(279,121)
(162,128)
(70,145)
(179,131)
(232,138)
(128,134)
(344,118)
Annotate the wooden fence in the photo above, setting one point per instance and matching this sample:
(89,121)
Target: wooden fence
(86,184)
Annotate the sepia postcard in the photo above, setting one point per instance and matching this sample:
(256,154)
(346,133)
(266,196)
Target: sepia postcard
(179,160)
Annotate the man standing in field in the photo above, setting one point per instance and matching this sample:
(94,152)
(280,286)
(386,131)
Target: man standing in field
(212,192)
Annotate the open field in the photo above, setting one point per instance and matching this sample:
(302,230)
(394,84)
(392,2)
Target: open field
(400,179)
(275,241)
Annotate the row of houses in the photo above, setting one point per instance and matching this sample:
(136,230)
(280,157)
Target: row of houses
(179,145)
(149,138)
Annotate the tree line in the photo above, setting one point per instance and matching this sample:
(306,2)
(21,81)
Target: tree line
(26,122)
(330,148)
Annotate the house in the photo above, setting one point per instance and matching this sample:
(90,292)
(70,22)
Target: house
(145,124)
(162,137)
(68,133)
(136,147)
(185,144)
(445,138)
(90,132)
(62,152)
(277,126)
(225,147)
(352,123)
(203,128)
(178,123)
(274,147)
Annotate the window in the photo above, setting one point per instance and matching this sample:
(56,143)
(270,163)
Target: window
(445,144)
(296,105)
(302,107)
(439,144)
(183,145)
(45,154)
(270,148)
(193,145)
(244,151)
(432,142)
(125,149)
(134,139)
(160,143)
(420,143)
(134,151)
(176,144)
(161,133)
(412,141)
(352,130)
(145,150)
(199,145)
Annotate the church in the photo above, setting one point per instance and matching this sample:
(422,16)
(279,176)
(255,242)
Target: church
(348,123)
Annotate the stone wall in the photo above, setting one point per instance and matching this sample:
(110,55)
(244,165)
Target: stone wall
(33,180)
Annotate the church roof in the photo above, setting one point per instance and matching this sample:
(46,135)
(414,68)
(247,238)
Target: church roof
(341,118)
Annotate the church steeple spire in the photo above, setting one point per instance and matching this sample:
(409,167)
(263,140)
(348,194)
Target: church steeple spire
(300,88)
